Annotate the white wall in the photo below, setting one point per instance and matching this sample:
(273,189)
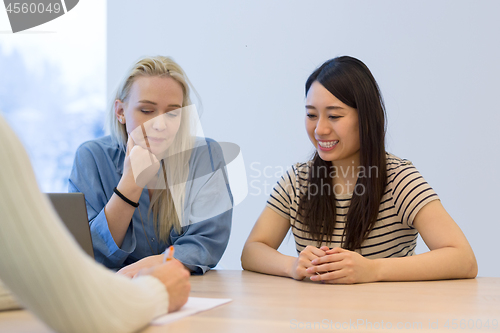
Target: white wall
(437,63)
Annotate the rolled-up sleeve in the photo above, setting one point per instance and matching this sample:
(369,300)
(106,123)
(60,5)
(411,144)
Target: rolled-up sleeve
(94,174)
(208,214)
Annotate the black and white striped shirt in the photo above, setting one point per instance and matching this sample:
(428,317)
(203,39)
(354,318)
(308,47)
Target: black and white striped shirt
(393,234)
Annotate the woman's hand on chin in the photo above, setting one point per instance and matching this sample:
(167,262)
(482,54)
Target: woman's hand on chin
(140,165)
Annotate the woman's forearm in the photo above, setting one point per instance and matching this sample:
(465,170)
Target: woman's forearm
(119,213)
(438,264)
(262,258)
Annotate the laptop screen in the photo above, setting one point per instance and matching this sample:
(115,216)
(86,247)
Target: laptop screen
(73,212)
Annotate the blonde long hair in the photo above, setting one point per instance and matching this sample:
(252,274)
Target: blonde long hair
(167,202)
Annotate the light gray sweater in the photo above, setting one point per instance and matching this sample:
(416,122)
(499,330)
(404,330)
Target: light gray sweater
(46,270)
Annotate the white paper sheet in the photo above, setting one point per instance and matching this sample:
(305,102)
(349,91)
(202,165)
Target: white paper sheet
(193,305)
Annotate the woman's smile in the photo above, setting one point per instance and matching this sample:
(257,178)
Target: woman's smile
(327,145)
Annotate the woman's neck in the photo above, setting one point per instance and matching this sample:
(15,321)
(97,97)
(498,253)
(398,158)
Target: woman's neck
(346,175)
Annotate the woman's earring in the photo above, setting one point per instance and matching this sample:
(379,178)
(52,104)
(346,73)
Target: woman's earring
(122,120)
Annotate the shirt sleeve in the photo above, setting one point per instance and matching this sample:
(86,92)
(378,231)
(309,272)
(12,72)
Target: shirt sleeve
(49,273)
(94,174)
(7,299)
(410,192)
(283,194)
(205,235)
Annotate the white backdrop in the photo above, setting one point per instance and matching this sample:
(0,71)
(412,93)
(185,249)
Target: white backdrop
(437,63)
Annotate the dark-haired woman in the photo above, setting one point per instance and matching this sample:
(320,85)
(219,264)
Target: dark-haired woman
(354,209)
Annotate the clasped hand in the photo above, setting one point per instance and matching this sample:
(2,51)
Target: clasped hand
(336,266)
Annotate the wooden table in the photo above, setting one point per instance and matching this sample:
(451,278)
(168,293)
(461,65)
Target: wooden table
(263,303)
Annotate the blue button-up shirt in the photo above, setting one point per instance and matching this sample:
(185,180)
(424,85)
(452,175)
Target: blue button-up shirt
(97,169)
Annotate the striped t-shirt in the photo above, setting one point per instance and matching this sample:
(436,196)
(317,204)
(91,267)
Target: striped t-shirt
(393,234)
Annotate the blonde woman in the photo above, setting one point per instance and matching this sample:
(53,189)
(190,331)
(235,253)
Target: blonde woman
(152,183)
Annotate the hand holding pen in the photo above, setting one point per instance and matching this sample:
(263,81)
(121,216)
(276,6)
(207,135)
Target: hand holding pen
(175,278)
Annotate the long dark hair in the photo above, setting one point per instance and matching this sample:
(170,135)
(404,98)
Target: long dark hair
(352,83)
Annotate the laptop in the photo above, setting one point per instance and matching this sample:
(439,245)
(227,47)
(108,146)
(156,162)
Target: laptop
(73,212)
